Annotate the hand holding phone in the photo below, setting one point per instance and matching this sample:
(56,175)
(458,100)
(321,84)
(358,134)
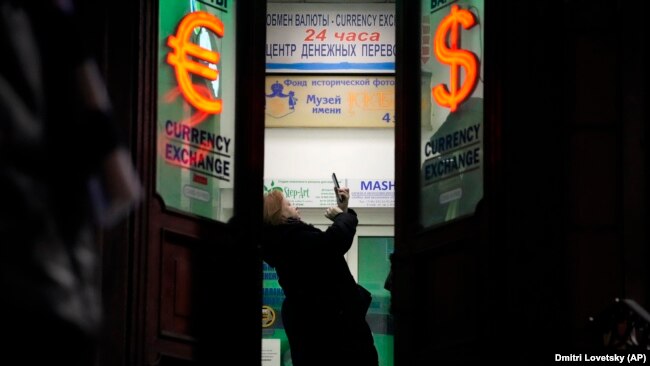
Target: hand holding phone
(336,188)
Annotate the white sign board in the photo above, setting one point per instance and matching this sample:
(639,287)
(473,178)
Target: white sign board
(271,352)
(315,193)
(326,38)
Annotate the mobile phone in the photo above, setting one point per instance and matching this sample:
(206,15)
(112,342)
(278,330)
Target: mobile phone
(336,185)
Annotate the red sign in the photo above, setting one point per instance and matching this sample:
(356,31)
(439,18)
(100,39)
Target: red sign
(183,65)
(456,57)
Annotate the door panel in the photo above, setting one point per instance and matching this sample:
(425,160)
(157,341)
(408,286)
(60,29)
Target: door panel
(200,279)
(178,260)
(439,294)
(181,289)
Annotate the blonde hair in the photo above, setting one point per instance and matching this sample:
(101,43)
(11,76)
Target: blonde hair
(273,207)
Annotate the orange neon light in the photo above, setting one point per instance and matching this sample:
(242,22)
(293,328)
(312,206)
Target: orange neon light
(199,116)
(195,119)
(455,57)
(183,66)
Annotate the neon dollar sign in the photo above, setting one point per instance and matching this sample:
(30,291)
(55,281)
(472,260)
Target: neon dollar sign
(456,58)
(182,47)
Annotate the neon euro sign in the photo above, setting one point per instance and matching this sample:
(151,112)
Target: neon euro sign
(183,66)
(456,58)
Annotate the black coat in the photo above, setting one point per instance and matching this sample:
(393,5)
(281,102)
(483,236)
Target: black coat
(54,139)
(324,310)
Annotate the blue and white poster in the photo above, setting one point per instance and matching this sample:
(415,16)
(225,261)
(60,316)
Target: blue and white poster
(327,38)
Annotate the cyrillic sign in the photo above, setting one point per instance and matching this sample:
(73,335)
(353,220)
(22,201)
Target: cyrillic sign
(329,38)
(333,101)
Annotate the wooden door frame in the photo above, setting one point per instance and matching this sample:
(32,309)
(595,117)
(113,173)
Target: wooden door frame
(132,80)
(412,242)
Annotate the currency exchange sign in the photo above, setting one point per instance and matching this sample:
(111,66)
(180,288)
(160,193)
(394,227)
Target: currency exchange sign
(183,47)
(196,107)
(452,55)
(452,154)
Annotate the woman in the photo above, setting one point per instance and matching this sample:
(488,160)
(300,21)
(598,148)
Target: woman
(324,309)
